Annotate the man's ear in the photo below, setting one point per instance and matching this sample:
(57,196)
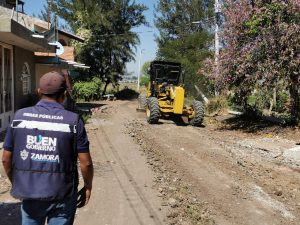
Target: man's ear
(64,96)
(39,92)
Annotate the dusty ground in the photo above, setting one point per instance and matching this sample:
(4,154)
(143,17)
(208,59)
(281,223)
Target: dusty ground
(228,172)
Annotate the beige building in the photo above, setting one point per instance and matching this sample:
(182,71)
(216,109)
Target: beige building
(26,53)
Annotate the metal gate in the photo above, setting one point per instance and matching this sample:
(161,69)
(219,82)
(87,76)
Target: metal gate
(6,86)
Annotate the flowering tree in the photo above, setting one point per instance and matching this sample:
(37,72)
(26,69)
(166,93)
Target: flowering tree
(262,48)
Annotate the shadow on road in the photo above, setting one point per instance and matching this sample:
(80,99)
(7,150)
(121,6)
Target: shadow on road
(248,124)
(88,105)
(85,109)
(179,121)
(10,213)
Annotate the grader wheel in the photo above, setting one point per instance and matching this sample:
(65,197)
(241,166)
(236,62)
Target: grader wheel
(142,100)
(152,110)
(198,114)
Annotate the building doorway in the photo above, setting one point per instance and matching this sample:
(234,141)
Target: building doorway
(6,86)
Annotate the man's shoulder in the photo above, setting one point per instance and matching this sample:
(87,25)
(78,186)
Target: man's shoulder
(70,116)
(33,111)
(24,110)
(71,113)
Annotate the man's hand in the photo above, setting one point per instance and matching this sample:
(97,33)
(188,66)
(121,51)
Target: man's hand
(83,197)
(7,163)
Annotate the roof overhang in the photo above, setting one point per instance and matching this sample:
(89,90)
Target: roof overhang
(13,2)
(71,36)
(55,61)
(11,32)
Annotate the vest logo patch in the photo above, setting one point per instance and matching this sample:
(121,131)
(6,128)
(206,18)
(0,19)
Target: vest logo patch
(44,116)
(41,143)
(24,154)
(45,158)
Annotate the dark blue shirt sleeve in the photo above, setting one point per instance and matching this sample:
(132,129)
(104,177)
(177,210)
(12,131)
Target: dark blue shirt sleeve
(8,141)
(83,144)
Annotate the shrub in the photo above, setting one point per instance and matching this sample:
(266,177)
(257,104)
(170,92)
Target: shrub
(260,99)
(282,102)
(88,90)
(216,105)
(144,80)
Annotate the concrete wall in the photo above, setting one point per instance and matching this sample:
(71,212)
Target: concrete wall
(22,56)
(5,12)
(27,21)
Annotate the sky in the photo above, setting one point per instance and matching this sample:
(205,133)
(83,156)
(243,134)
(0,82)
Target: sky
(147,46)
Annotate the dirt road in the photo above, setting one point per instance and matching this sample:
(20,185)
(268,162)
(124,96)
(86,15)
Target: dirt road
(176,174)
(123,192)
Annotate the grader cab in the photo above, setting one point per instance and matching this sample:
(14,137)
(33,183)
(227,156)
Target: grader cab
(165,95)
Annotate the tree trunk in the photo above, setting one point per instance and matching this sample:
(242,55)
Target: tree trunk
(273,101)
(274,97)
(105,87)
(270,108)
(295,103)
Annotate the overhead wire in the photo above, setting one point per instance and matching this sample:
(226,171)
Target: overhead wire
(123,34)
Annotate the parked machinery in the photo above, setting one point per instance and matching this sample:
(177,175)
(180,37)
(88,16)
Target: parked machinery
(165,95)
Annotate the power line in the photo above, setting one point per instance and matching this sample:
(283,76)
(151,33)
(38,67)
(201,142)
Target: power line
(123,34)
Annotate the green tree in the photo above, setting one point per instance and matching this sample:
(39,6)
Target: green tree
(183,41)
(107,28)
(144,79)
(46,13)
(145,69)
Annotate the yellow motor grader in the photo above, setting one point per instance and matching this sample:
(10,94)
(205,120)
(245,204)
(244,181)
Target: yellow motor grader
(165,95)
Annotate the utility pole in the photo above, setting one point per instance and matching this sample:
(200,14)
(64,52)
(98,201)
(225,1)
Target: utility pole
(217,38)
(217,7)
(17,3)
(139,72)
